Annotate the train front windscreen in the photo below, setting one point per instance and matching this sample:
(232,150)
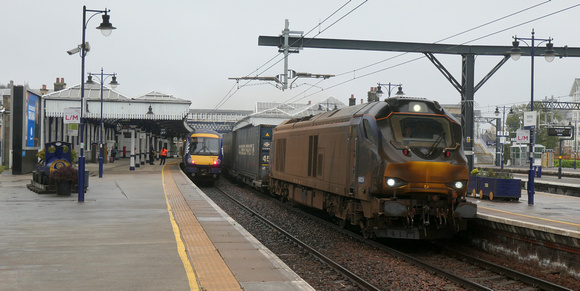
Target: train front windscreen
(423,134)
(204,146)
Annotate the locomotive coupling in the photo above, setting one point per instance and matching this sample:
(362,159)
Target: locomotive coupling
(465,210)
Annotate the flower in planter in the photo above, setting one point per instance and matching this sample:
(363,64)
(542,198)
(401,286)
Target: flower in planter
(40,155)
(65,174)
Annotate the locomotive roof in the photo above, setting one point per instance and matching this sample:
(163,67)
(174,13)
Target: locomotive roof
(377,109)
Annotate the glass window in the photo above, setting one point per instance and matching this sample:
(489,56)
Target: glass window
(204,146)
(418,130)
(368,131)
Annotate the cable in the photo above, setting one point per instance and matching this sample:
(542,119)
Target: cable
(479,38)
(226,97)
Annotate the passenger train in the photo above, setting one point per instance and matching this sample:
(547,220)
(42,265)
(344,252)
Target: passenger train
(202,155)
(394,168)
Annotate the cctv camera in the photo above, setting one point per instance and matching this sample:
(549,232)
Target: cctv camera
(74,51)
(78,49)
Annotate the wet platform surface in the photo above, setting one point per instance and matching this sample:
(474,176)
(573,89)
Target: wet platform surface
(127,235)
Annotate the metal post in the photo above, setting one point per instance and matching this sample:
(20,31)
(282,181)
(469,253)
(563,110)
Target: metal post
(101,143)
(532,129)
(502,134)
(560,161)
(132,149)
(81,181)
(575,144)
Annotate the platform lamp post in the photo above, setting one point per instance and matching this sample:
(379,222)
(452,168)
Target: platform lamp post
(549,55)
(390,88)
(503,130)
(106,28)
(114,85)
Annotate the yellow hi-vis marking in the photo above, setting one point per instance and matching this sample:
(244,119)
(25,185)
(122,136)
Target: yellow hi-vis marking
(193,285)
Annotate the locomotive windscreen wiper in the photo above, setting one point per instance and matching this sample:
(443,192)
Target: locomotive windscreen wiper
(204,148)
(435,144)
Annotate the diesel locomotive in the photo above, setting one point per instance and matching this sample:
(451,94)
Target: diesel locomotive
(202,155)
(394,168)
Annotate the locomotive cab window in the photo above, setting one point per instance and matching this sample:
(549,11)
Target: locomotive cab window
(421,131)
(368,131)
(204,146)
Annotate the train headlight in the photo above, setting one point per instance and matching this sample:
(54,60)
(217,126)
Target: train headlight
(394,183)
(217,162)
(457,185)
(192,162)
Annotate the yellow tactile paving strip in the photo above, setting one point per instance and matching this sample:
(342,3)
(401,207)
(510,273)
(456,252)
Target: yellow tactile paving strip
(210,269)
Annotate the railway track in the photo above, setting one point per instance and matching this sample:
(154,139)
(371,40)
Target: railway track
(364,285)
(461,269)
(506,273)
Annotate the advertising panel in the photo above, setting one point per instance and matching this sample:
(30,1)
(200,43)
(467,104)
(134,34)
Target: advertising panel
(32,120)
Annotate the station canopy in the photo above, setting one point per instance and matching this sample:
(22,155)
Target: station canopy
(155,112)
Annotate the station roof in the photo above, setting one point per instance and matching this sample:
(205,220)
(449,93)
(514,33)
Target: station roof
(157,112)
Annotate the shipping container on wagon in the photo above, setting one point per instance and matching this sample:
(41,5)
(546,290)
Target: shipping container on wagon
(247,154)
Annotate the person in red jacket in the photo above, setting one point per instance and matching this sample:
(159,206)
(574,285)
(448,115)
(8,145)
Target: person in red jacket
(163,155)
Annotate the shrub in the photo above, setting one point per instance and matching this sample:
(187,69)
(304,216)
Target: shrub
(492,173)
(65,174)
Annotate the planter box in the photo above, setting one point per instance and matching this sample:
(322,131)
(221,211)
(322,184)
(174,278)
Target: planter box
(492,188)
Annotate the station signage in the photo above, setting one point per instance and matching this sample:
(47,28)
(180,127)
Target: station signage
(522,136)
(72,115)
(560,131)
(530,119)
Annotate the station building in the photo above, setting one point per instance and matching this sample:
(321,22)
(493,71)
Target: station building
(110,119)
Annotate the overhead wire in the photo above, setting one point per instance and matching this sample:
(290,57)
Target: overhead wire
(421,57)
(228,96)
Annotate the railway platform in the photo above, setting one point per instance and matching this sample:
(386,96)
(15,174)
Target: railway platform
(546,232)
(148,229)
(554,212)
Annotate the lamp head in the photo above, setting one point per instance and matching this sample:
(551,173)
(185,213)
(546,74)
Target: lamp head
(549,54)
(515,52)
(114,82)
(379,92)
(400,92)
(496,111)
(106,27)
(90,80)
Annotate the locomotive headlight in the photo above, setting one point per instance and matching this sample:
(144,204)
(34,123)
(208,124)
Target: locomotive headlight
(394,183)
(418,107)
(457,185)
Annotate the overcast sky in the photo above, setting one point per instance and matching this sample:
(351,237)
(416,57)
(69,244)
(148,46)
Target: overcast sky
(189,49)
